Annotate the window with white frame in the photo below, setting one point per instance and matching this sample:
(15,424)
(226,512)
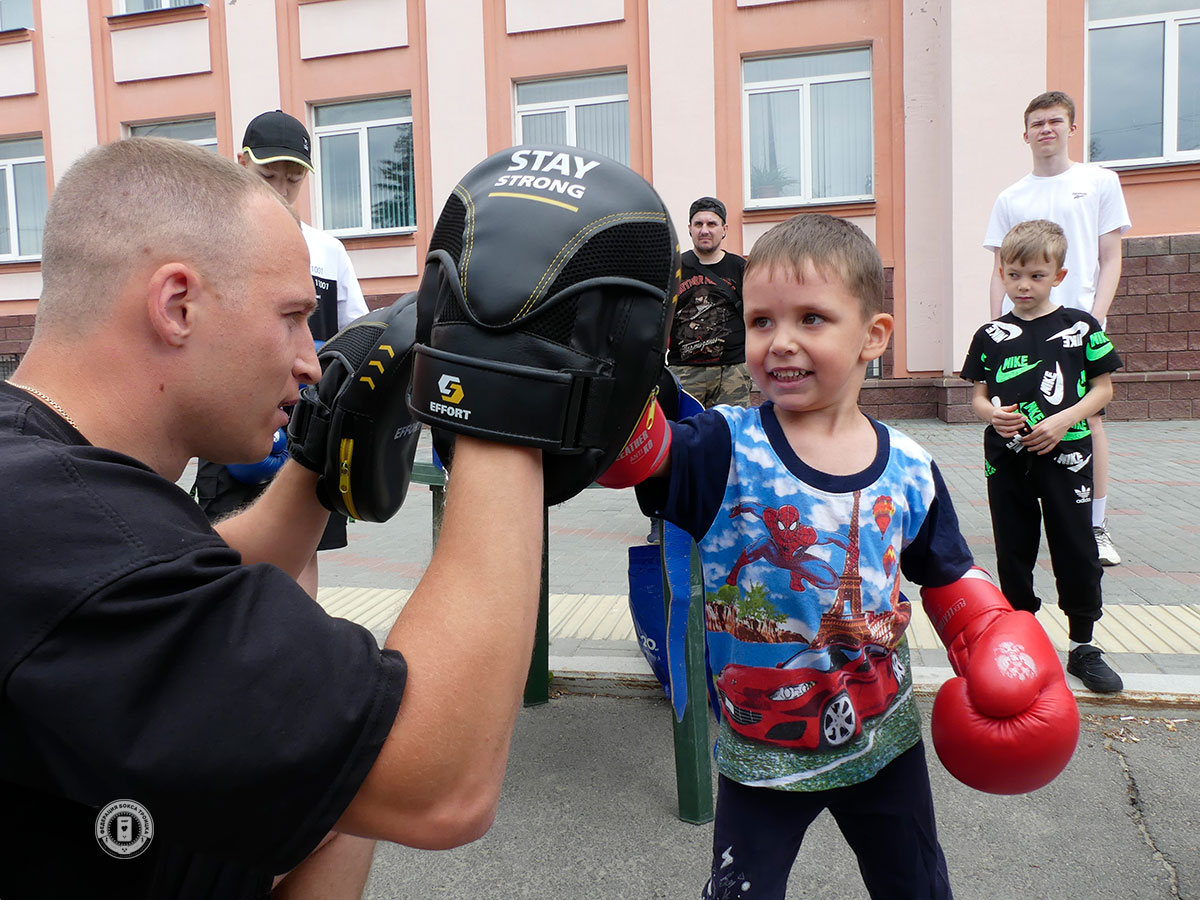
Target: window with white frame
(22,198)
(807,128)
(364,163)
(1143,81)
(137,6)
(589,111)
(202,132)
(16,14)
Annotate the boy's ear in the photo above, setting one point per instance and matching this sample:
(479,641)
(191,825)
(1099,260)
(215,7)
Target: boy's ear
(1062,273)
(879,333)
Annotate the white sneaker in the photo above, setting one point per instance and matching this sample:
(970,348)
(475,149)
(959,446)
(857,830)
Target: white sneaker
(1104,546)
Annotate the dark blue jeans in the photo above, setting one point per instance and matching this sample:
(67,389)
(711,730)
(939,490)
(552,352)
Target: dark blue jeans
(887,820)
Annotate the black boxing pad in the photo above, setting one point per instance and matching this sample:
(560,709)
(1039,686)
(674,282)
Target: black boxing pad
(354,428)
(544,309)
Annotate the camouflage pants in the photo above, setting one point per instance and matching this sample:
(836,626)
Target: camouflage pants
(712,385)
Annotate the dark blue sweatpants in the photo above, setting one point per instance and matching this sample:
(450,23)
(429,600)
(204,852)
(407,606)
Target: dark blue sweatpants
(887,820)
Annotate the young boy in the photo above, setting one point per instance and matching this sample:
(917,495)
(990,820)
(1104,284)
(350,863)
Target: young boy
(805,510)
(1040,372)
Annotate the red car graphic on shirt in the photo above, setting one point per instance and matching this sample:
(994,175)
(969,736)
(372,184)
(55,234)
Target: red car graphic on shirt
(809,707)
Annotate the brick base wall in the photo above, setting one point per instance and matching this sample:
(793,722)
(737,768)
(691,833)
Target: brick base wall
(15,334)
(378,301)
(1154,323)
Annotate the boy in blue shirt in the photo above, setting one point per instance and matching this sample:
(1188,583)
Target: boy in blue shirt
(805,511)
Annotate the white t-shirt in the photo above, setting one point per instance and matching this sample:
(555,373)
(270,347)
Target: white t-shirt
(335,281)
(1086,202)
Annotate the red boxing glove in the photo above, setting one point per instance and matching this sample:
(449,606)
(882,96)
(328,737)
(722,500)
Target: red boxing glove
(644,452)
(1008,724)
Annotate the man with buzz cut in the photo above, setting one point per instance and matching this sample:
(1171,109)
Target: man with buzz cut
(1086,202)
(276,147)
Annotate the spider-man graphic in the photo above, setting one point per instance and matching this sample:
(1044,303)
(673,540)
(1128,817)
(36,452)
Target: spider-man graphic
(786,546)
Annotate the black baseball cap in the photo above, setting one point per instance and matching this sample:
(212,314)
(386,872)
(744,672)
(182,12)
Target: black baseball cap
(275,136)
(707,203)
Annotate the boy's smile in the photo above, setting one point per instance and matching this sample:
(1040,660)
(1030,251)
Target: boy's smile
(807,339)
(1028,285)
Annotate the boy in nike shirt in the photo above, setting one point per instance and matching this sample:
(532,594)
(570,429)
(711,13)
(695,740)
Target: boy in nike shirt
(1040,372)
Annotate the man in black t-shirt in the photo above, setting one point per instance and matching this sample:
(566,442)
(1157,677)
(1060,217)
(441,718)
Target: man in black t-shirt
(708,336)
(177,717)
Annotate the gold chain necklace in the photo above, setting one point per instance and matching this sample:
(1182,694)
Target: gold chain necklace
(54,406)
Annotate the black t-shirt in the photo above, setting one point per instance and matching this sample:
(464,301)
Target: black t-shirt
(140,660)
(708,329)
(1043,365)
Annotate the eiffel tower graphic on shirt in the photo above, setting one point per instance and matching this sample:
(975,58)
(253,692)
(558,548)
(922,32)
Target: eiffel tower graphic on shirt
(856,629)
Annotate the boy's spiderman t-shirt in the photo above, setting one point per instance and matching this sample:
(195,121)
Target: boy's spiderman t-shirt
(803,611)
(1043,365)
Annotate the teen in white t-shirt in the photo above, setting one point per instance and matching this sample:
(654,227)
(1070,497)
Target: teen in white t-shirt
(339,298)
(1086,202)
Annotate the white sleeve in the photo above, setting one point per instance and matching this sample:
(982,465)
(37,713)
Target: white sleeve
(351,303)
(1113,213)
(997,224)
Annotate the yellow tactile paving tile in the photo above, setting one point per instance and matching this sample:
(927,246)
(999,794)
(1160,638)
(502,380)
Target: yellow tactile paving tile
(1173,629)
(374,608)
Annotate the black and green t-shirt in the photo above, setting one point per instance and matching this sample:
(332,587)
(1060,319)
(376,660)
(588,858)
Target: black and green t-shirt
(1043,365)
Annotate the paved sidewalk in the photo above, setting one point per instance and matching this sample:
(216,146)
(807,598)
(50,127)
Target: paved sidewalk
(589,810)
(1150,632)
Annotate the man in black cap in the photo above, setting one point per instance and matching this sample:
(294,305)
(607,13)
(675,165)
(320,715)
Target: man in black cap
(277,148)
(708,336)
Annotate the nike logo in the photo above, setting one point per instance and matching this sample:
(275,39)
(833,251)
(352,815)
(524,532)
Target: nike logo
(1073,461)
(1014,366)
(1052,386)
(1073,336)
(1002,331)
(1098,346)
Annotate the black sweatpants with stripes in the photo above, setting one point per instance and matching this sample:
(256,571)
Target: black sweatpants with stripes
(1025,491)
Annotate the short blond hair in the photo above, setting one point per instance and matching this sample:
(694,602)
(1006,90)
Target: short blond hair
(138,201)
(830,245)
(1033,241)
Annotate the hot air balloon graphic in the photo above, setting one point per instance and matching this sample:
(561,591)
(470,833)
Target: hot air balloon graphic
(889,560)
(882,511)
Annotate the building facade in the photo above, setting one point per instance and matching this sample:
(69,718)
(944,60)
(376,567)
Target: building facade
(901,115)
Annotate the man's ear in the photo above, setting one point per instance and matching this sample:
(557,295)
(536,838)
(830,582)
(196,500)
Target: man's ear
(172,293)
(879,333)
